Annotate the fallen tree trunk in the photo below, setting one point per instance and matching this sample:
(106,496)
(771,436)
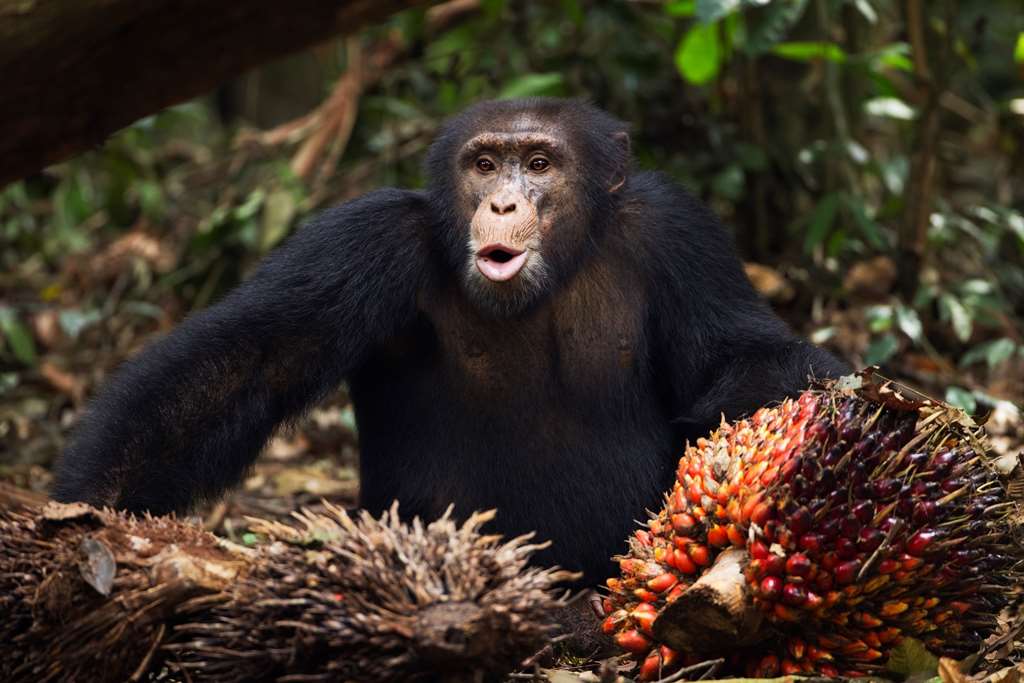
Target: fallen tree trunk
(95,595)
(76,71)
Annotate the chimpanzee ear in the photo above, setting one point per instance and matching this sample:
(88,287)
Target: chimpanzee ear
(621,141)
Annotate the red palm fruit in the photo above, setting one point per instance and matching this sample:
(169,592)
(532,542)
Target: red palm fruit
(771,587)
(760,514)
(768,667)
(789,667)
(651,668)
(847,571)
(919,543)
(682,561)
(810,542)
(669,657)
(612,622)
(643,615)
(718,536)
(676,591)
(798,565)
(758,550)
(700,555)
(662,582)
(775,565)
(683,522)
(633,641)
(855,540)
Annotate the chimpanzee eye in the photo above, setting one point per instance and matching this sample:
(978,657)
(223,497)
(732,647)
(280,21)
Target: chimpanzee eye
(484,165)
(539,164)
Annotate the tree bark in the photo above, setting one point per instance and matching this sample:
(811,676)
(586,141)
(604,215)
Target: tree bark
(76,71)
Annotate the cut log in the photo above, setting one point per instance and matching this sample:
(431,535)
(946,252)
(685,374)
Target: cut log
(94,595)
(715,614)
(76,71)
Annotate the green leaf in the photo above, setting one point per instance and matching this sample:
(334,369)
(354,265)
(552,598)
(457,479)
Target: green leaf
(992,352)
(277,217)
(729,182)
(713,10)
(957,314)
(873,232)
(807,51)
(681,8)
(1018,52)
(961,398)
(881,349)
(698,56)
(73,321)
(866,10)
(574,10)
(250,206)
(18,338)
(773,24)
(529,85)
(909,323)
(893,56)
(911,659)
(880,317)
(821,220)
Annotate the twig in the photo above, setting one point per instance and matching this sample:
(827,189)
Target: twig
(336,116)
(144,664)
(323,133)
(709,664)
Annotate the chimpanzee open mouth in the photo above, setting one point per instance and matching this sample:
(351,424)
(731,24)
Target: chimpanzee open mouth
(499,263)
(499,254)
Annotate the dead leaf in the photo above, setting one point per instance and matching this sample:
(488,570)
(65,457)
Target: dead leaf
(47,329)
(870,280)
(769,283)
(281,448)
(61,512)
(96,564)
(64,382)
(949,671)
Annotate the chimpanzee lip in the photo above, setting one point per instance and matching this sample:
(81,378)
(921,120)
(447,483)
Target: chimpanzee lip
(498,262)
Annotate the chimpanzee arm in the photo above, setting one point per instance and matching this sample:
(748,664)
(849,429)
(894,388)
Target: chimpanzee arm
(185,418)
(721,348)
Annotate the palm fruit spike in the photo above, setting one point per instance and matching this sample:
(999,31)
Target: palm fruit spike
(94,595)
(815,535)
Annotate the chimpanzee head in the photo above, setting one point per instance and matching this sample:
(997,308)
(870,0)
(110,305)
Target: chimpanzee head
(527,187)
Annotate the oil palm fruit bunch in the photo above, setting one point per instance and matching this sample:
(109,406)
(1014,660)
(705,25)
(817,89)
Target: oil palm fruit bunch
(95,595)
(815,535)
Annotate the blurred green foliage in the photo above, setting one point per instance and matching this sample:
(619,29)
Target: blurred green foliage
(797,120)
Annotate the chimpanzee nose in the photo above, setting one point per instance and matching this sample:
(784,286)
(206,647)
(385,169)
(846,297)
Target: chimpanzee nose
(501,208)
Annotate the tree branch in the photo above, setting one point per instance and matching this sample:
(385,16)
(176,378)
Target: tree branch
(78,70)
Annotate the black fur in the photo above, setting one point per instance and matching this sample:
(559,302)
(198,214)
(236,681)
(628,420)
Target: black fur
(568,418)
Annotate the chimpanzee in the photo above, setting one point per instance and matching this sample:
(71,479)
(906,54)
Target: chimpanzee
(539,331)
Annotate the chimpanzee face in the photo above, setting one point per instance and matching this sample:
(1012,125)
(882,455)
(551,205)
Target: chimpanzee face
(526,189)
(518,193)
